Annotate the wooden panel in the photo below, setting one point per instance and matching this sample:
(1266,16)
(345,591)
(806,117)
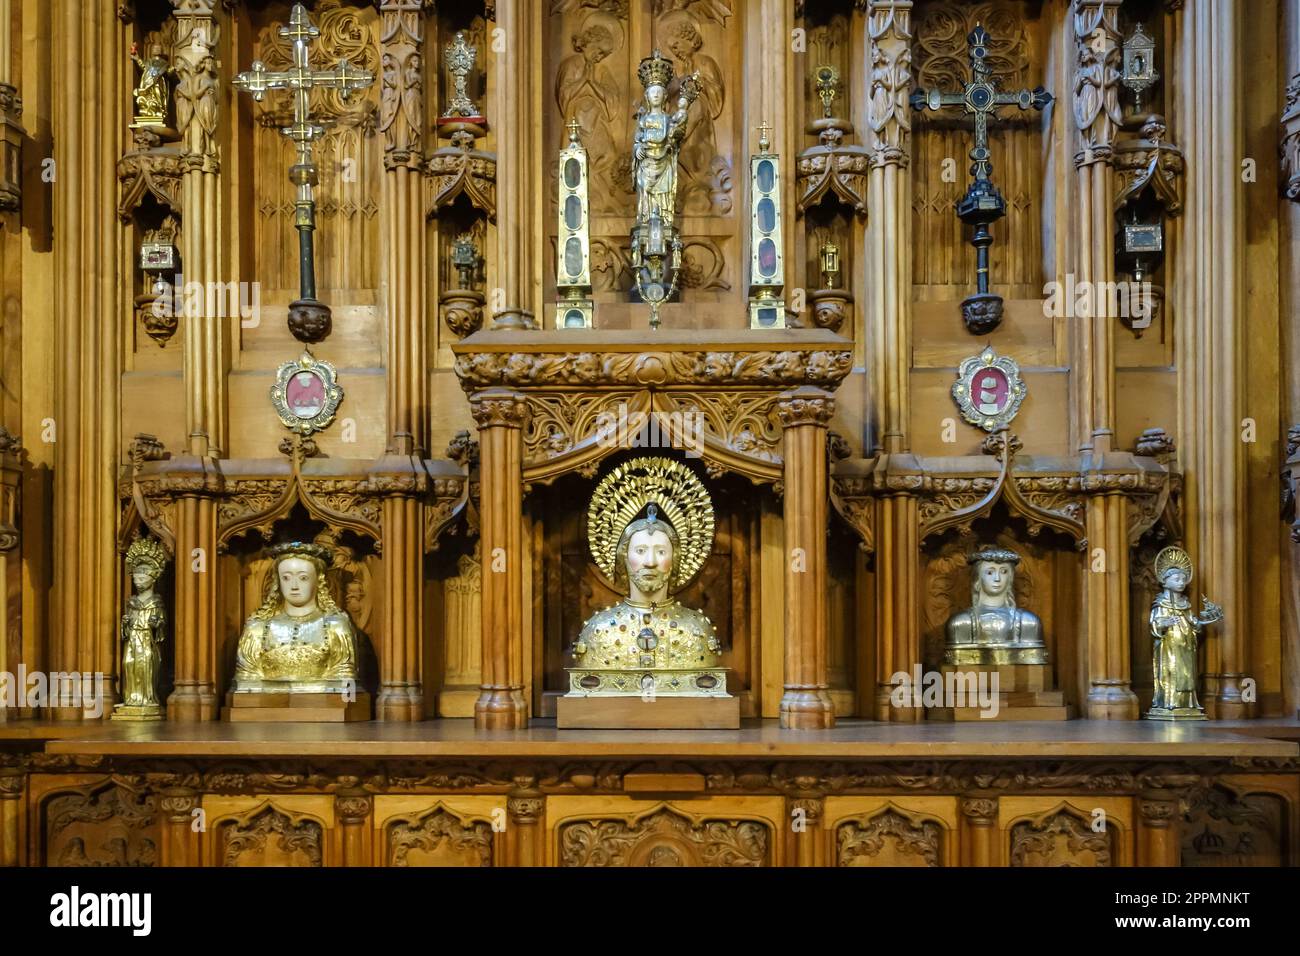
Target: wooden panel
(1070,831)
(890,831)
(283,830)
(439,830)
(710,831)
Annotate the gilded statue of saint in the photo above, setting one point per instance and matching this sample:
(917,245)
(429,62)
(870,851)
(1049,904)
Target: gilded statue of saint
(993,630)
(299,640)
(143,629)
(151,92)
(658,139)
(651,528)
(1176,630)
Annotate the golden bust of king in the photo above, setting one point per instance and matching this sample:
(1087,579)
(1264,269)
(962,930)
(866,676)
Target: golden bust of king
(650,527)
(299,640)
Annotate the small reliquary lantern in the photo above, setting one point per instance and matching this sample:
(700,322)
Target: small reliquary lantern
(1139,65)
(573,243)
(306,394)
(988,390)
(766,263)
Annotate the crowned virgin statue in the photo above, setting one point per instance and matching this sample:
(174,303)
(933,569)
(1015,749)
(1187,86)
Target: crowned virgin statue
(299,640)
(144,626)
(650,527)
(658,139)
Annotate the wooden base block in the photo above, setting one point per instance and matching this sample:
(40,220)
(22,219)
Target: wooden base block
(1011,677)
(307,708)
(634,713)
(1003,713)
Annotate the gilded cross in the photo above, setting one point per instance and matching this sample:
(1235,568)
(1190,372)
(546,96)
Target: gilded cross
(982,204)
(763,129)
(301,79)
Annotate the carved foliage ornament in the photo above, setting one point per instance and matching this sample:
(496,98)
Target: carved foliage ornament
(988,390)
(664,838)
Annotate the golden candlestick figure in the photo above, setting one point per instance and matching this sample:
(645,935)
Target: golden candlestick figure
(1176,630)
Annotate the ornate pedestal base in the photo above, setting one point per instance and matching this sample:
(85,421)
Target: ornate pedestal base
(1177,713)
(286,707)
(657,713)
(129,712)
(1024,692)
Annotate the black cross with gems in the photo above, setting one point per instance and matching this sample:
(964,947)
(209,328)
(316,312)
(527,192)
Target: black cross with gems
(309,320)
(982,204)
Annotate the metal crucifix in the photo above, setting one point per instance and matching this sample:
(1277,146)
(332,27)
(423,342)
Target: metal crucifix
(309,319)
(983,204)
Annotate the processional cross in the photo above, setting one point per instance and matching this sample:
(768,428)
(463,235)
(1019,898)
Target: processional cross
(982,204)
(309,320)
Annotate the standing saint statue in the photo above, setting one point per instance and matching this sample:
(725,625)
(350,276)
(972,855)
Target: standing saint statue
(143,630)
(1176,631)
(151,92)
(658,139)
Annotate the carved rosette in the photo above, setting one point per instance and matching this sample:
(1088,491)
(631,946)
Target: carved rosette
(1097,111)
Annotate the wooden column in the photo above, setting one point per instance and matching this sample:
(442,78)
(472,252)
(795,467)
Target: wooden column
(182,834)
(501,415)
(401,689)
(194,693)
(1208,287)
(204,363)
(515,113)
(526,810)
(206,339)
(898,615)
(88,128)
(1157,835)
(979,831)
(352,811)
(888,314)
(1289,307)
(810,841)
(402,238)
(1105,591)
(804,413)
(12,790)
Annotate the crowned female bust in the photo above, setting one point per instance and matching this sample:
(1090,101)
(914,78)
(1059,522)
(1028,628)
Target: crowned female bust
(993,630)
(299,640)
(649,643)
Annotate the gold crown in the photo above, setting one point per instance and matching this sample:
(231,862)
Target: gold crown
(655,71)
(299,549)
(146,552)
(1173,558)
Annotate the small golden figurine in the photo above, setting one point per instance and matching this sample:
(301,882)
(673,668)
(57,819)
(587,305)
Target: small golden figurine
(299,640)
(1176,631)
(143,630)
(650,527)
(993,630)
(151,92)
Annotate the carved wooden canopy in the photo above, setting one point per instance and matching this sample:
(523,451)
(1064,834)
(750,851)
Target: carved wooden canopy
(579,393)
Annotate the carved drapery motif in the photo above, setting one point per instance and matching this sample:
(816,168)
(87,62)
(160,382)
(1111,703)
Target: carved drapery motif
(401,94)
(664,838)
(888,839)
(1097,111)
(889,27)
(1290,143)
